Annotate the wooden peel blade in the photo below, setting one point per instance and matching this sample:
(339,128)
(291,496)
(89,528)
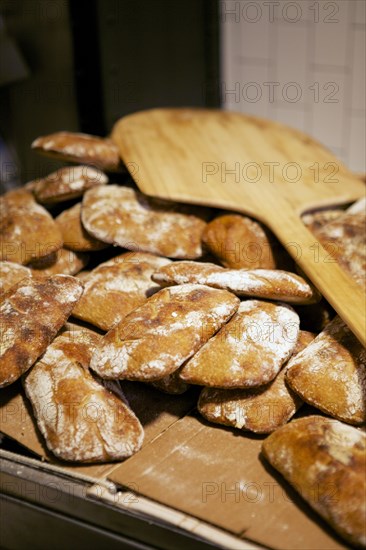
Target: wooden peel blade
(260,168)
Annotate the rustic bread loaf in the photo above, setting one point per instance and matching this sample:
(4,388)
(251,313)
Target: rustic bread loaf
(74,234)
(116,287)
(27,231)
(239,242)
(120,215)
(67,183)
(65,262)
(79,418)
(260,410)
(158,337)
(259,283)
(32,312)
(325,461)
(10,274)
(80,148)
(345,240)
(317,219)
(330,373)
(249,351)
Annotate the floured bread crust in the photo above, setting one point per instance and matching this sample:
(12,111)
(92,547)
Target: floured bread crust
(80,148)
(249,351)
(67,183)
(10,274)
(32,312)
(158,337)
(325,461)
(316,220)
(79,418)
(120,215)
(259,283)
(65,262)
(260,410)
(116,287)
(27,230)
(345,240)
(330,373)
(74,234)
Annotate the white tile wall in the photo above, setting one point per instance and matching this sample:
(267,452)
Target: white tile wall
(358,69)
(331,33)
(359,13)
(357,143)
(312,43)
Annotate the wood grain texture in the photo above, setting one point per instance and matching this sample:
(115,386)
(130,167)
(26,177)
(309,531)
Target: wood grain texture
(252,166)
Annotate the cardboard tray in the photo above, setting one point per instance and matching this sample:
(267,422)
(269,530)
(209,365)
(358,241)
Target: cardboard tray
(208,480)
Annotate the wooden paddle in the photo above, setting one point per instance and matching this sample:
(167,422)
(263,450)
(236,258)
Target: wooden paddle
(252,166)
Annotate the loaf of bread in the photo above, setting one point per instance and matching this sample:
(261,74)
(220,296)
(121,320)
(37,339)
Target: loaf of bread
(10,274)
(80,148)
(325,461)
(67,183)
(79,418)
(345,240)
(64,262)
(258,283)
(249,351)
(240,242)
(316,220)
(330,373)
(122,216)
(27,231)
(156,339)
(74,234)
(32,312)
(116,287)
(259,410)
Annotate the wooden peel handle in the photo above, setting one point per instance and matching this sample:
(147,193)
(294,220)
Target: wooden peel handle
(345,296)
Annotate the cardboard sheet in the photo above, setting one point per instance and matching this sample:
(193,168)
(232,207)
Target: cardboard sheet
(156,411)
(217,475)
(212,473)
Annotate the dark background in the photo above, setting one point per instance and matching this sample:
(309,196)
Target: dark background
(92,61)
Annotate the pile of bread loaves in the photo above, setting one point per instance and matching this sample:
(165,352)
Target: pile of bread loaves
(192,296)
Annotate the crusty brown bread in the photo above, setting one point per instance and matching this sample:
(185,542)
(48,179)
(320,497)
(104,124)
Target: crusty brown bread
(80,148)
(325,461)
(317,219)
(74,234)
(116,287)
(79,418)
(67,183)
(258,283)
(158,337)
(330,373)
(120,215)
(260,410)
(65,262)
(32,312)
(11,273)
(239,242)
(345,240)
(249,351)
(27,231)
